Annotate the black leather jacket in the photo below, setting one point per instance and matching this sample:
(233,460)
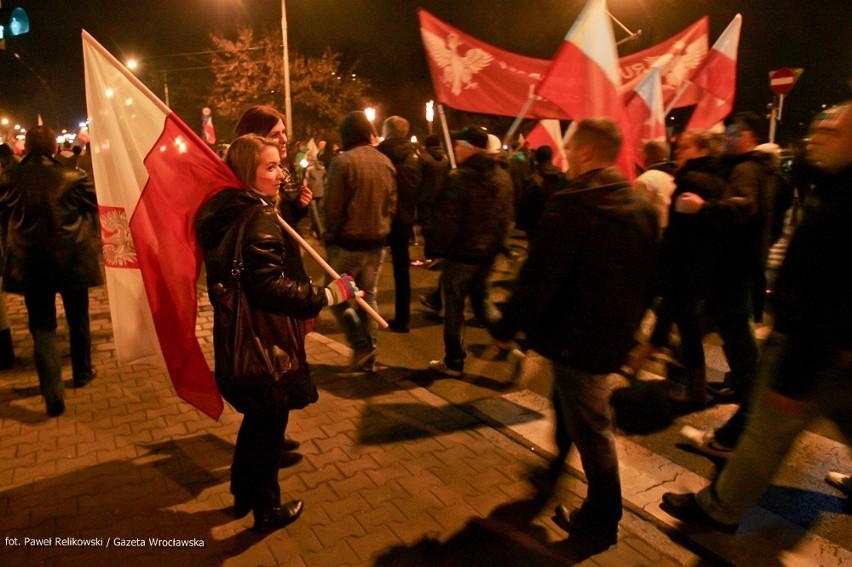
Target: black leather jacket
(49,215)
(273,274)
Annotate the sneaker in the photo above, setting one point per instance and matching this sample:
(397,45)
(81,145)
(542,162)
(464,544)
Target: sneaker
(840,481)
(705,442)
(424,301)
(441,367)
(362,360)
(397,327)
(685,508)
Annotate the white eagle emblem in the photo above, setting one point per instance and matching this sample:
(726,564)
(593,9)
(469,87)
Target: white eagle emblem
(676,66)
(458,70)
(119,251)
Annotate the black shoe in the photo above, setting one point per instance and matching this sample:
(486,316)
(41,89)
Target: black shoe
(685,507)
(288,459)
(398,327)
(290,444)
(278,517)
(55,407)
(424,301)
(84,378)
(577,524)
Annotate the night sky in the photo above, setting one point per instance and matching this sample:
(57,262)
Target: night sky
(383,35)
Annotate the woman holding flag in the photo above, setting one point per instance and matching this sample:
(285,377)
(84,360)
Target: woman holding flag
(244,221)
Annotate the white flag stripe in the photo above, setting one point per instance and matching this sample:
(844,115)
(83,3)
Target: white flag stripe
(122,132)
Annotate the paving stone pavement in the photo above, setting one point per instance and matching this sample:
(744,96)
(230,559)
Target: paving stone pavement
(392,475)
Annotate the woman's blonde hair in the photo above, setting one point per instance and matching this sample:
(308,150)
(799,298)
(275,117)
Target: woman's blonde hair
(243,156)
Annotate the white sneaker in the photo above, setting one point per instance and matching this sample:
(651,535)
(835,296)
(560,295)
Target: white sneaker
(441,367)
(840,481)
(705,442)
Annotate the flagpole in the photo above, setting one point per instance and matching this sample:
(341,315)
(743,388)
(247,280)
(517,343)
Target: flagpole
(447,139)
(683,86)
(521,114)
(329,270)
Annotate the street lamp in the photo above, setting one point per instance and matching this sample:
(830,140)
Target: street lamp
(288,105)
(430,113)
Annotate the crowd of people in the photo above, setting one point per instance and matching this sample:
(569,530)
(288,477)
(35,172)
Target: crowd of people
(688,240)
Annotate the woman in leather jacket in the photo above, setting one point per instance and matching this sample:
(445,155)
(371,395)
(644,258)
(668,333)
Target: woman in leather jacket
(274,280)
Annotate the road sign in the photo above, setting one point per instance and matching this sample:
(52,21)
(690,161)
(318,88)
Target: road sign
(781,81)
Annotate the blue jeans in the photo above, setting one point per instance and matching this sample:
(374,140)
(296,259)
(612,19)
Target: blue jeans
(364,266)
(584,419)
(458,282)
(774,422)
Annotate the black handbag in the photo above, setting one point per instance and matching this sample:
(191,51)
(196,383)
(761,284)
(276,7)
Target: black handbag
(267,369)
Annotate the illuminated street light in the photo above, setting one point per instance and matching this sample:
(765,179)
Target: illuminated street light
(132,64)
(430,113)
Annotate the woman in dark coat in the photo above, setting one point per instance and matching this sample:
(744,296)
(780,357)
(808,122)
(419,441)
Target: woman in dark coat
(274,280)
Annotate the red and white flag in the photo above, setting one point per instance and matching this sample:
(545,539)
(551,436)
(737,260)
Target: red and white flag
(153,173)
(645,110)
(677,58)
(584,77)
(549,133)
(471,75)
(717,79)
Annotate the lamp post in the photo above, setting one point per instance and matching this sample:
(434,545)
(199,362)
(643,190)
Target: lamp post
(430,113)
(288,105)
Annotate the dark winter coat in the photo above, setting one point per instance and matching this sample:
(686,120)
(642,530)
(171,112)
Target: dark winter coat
(587,283)
(49,215)
(474,212)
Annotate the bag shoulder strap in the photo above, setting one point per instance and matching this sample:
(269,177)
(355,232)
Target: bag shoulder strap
(237,265)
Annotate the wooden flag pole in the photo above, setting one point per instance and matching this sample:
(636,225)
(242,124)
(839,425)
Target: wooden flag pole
(447,139)
(329,270)
(514,127)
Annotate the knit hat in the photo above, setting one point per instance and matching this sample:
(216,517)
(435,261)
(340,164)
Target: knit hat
(476,136)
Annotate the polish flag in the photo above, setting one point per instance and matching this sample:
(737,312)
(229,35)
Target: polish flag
(677,58)
(584,77)
(152,174)
(207,127)
(645,110)
(549,133)
(717,79)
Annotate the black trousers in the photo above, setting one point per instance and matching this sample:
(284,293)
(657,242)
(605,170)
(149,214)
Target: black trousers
(398,241)
(254,472)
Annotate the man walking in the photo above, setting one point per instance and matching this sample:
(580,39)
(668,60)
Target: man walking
(474,213)
(49,216)
(360,203)
(403,155)
(806,365)
(580,297)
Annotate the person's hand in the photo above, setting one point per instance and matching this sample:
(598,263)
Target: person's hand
(311,324)
(688,203)
(342,289)
(305,197)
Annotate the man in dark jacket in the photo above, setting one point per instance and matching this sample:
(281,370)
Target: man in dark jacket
(806,364)
(580,298)
(403,155)
(360,203)
(544,182)
(474,213)
(49,215)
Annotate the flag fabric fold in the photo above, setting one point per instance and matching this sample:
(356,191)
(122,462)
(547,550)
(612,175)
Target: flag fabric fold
(152,173)
(716,79)
(584,78)
(473,76)
(645,110)
(677,58)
